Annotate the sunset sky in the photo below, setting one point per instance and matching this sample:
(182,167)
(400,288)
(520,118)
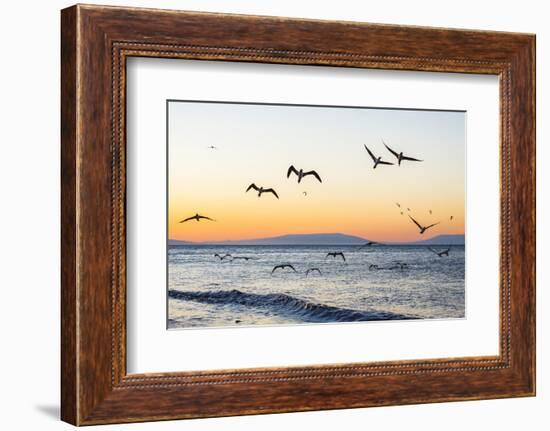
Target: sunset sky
(257,144)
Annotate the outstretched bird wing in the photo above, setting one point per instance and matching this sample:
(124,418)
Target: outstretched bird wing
(341,254)
(291,267)
(252,186)
(433,251)
(290,170)
(411,159)
(329,254)
(390,150)
(206,218)
(276,267)
(187,219)
(382,162)
(415,222)
(271,191)
(315,174)
(370,153)
(432,225)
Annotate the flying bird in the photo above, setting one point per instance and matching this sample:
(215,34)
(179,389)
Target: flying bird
(400,156)
(247,258)
(212,147)
(313,269)
(197,217)
(373,266)
(408,209)
(398,205)
(301,174)
(422,228)
(227,255)
(440,253)
(335,254)
(377,160)
(283,266)
(367,244)
(451,218)
(261,190)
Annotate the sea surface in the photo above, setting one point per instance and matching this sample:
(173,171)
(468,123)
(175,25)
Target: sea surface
(204,291)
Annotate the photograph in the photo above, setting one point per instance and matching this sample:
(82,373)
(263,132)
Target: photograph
(281,214)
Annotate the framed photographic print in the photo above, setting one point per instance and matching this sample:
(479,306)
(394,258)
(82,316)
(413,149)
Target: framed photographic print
(267,215)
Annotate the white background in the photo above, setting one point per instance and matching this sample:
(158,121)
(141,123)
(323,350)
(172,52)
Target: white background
(29,174)
(151,348)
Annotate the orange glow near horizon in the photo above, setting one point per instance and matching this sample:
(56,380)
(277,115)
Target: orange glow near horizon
(256,144)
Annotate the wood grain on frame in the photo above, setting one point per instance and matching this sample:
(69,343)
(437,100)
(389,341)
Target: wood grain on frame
(96,41)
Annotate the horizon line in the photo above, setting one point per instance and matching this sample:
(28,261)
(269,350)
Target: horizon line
(314,234)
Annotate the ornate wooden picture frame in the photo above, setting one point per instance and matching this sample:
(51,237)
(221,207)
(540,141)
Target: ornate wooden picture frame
(96,41)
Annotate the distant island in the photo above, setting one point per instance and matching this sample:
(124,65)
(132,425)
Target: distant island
(323,239)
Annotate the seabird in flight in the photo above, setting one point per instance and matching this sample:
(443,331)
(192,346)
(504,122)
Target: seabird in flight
(301,174)
(335,254)
(261,190)
(197,217)
(377,160)
(247,258)
(212,147)
(400,156)
(313,269)
(283,266)
(422,228)
(368,244)
(440,253)
(223,257)
(373,266)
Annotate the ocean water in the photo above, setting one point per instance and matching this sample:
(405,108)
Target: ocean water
(206,292)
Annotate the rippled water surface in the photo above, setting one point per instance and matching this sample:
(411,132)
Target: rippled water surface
(204,291)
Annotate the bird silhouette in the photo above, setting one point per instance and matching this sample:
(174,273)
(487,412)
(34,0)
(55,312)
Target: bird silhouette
(261,190)
(400,157)
(301,174)
(212,147)
(226,255)
(335,254)
(313,269)
(440,253)
(377,160)
(367,244)
(283,266)
(196,217)
(247,258)
(373,266)
(451,218)
(423,228)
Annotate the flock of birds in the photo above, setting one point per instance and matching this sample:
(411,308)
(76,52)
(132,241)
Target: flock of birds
(228,257)
(301,174)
